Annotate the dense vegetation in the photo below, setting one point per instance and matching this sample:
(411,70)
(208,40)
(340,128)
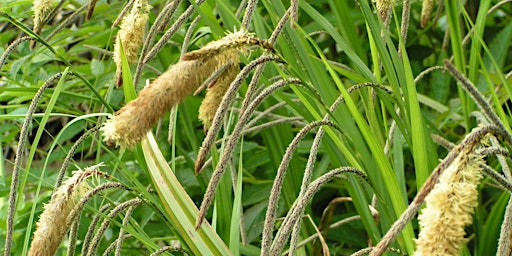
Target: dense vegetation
(336,116)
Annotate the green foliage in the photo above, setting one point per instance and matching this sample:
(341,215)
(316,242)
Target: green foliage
(383,128)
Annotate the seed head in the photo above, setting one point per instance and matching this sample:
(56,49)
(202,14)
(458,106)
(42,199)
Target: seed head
(130,35)
(135,119)
(41,10)
(449,207)
(426,11)
(384,8)
(215,93)
(231,44)
(52,224)
(129,125)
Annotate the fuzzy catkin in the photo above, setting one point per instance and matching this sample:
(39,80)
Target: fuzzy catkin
(41,9)
(130,36)
(135,119)
(129,125)
(215,93)
(52,224)
(449,208)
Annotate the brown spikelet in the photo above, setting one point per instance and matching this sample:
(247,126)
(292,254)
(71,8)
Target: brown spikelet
(130,36)
(426,10)
(41,10)
(53,222)
(449,207)
(215,93)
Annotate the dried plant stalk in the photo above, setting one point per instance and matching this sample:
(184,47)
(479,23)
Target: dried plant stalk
(450,206)
(130,36)
(53,222)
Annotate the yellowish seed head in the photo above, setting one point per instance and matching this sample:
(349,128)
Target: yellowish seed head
(449,208)
(130,35)
(426,11)
(53,222)
(215,93)
(41,10)
(129,125)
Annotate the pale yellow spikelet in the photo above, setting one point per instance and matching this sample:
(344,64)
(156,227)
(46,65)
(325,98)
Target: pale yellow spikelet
(53,222)
(130,35)
(41,10)
(215,93)
(426,11)
(384,8)
(449,208)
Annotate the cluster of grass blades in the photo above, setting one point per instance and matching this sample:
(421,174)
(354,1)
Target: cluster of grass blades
(324,136)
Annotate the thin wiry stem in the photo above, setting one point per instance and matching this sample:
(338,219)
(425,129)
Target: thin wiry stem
(249,10)
(406,11)
(160,22)
(504,242)
(106,222)
(367,250)
(170,32)
(213,77)
(71,153)
(267,111)
(184,48)
(294,12)
(90,8)
(468,144)
(188,35)
(169,249)
(297,121)
(240,8)
(487,170)
(316,235)
(164,17)
(90,232)
(120,238)
(275,193)
(18,160)
(113,245)
(11,47)
(493,150)
(73,17)
(230,145)
(73,232)
(503,162)
(496,177)
(87,196)
(308,173)
(279,28)
(298,208)
(123,12)
(443,142)
(427,71)
(221,111)
(478,97)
